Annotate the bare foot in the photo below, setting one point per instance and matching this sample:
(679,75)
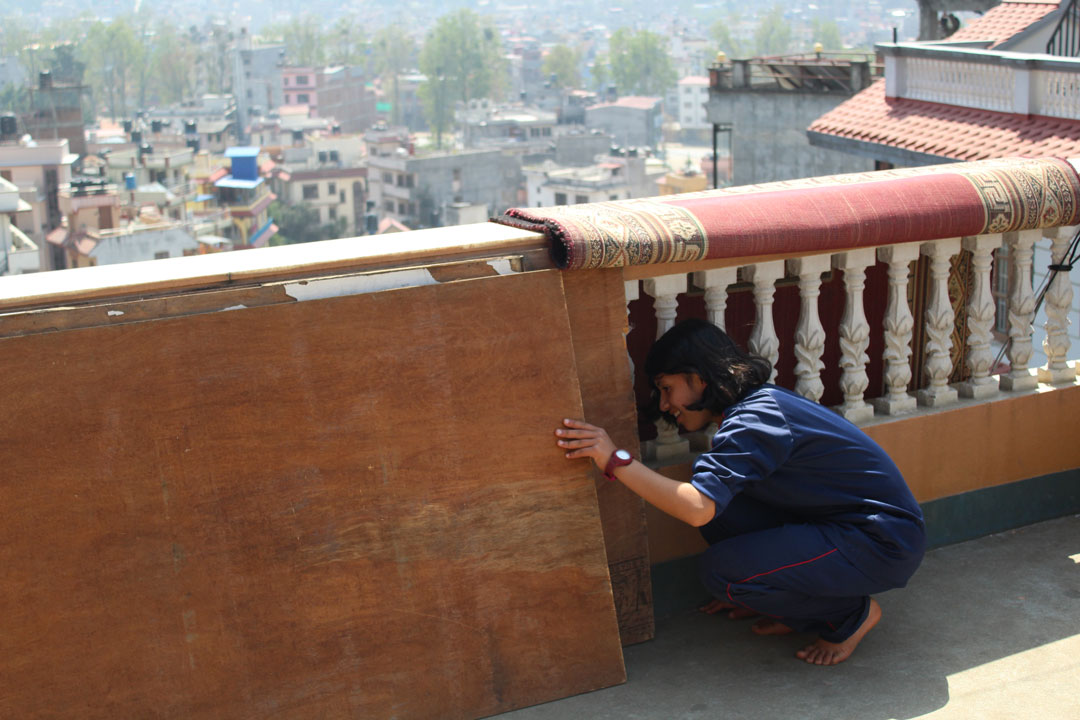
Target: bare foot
(768,626)
(735,612)
(827,653)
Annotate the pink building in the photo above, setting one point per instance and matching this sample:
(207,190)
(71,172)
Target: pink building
(300,87)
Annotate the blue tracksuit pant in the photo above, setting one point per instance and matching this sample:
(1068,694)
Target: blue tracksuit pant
(770,562)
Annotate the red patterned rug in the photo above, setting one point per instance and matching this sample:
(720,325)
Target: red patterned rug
(825,213)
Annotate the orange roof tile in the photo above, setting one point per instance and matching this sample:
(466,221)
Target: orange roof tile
(1004,21)
(947,131)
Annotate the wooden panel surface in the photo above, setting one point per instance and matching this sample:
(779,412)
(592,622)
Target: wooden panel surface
(596,303)
(349,507)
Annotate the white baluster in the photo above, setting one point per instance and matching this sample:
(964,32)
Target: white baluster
(630,289)
(1021,311)
(899,325)
(1058,301)
(665,291)
(854,335)
(980,319)
(715,284)
(763,340)
(940,322)
(809,334)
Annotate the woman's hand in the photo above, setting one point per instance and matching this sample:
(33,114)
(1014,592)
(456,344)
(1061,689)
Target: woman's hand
(580,439)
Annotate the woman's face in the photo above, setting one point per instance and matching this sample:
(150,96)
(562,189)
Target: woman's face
(679,390)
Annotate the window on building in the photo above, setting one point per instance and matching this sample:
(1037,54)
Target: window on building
(388,205)
(410,179)
(301,79)
(560,198)
(341,196)
(288,99)
(311,192)
(547,132)
(401,181)
(302,98)
(412,208)
(331,188)
(6,174)
(161,255)
(402,208)
(333,213)
(578,199)
(613,197)
(286,80)
(388,178)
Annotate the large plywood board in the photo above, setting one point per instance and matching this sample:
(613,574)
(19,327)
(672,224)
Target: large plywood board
(596,303)
(350,507)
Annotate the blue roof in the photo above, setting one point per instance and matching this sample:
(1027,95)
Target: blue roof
(242,151)
(231,182)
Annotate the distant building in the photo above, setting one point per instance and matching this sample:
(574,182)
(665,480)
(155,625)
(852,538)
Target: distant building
(11,72)
(631,175)
(517,128)
(344,96)
(763,106)
(683,181)
(417,189)
(18,253)
(247,196)
(57,112)
(38,168)
(299,87)
(633,121)
(692,98)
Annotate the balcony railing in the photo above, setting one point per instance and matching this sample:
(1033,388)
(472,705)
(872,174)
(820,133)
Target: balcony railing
(672,295)
(989,80)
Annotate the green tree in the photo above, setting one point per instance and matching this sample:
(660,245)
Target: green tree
(172,58)
(563,62)
(300,224)
(304,42)
(394,50)
(773,34)
(725,41)
(462,59)
(826,32)
(640,63)
(600,72)
(346,42)
(111,53)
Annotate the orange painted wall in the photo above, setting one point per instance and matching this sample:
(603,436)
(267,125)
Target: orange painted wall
(957,450)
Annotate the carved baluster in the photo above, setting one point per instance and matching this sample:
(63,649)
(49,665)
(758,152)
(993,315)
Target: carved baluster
(809,335)
(980,317)
(630,289)
(763,340)
(854,335)
(899,325)
(715,284)
(665,291)
(1021,311)
(940,321)
(1058,301)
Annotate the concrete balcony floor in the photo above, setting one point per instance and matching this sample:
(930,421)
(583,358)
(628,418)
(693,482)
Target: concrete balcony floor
(986,629)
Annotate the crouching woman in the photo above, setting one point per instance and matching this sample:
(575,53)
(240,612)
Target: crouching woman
(806,517)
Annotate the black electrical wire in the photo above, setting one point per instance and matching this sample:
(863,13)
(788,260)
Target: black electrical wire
(1067,261)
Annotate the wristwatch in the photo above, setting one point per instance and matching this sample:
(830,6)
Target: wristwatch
(619,458)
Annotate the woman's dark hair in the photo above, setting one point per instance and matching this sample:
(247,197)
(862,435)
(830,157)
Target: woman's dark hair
(697,346)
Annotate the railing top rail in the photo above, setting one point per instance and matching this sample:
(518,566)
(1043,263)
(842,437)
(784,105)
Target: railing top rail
(219,270)
(823,214)
(957,53)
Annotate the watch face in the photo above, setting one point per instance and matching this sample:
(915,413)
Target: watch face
(623,455)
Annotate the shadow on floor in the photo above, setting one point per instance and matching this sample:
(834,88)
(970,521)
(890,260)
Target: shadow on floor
(968,605)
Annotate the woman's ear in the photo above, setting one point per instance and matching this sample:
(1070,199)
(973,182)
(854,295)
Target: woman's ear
(696,382)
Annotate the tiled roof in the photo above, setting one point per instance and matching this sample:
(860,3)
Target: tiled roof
(1004,21)
(947,131)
